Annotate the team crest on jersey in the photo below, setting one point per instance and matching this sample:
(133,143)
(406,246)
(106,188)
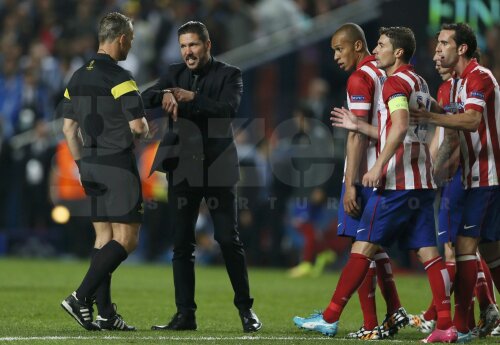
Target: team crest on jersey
(90,67)
(477,94)
(357,98)
(382,79)
(454,107)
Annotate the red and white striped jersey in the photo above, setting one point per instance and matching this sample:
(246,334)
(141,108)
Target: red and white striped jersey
(364,88)
(446,98)
(410,167)
(480,150)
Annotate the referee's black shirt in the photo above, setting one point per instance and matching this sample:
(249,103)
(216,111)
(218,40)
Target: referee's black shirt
(103,97)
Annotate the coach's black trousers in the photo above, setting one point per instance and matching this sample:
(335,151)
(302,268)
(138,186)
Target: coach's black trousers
(221,201)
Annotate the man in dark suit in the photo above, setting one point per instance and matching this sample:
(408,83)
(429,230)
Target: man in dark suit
(202,96)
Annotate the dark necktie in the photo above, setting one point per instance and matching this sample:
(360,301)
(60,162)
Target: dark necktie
(194,83)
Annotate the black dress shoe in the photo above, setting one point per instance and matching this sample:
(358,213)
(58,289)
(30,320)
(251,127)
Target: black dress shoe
(250,321)
(179,322)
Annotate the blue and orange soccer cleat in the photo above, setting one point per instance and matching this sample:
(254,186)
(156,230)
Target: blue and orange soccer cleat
(315,322)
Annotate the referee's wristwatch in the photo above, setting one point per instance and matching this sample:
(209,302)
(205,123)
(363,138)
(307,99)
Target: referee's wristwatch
(164,91)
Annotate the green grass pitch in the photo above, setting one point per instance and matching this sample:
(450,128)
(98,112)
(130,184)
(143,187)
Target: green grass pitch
(31,290)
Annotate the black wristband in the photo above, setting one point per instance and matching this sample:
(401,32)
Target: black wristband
(77,162)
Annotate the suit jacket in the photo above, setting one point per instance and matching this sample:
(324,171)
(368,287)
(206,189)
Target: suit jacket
(200,148)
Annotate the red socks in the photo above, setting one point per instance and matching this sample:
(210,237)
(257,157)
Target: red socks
(431,313)
(483,294)
(464,289)
(440,285)
(494,267)
(366,293)
(452,271)
(351,278)
(307,229)
(386,282)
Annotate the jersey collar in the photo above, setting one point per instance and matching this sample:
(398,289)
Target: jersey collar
(402,68)
(100,56)
(470,66)
(366,60)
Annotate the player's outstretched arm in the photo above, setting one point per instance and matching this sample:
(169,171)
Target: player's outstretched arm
(344,118)
(468,121)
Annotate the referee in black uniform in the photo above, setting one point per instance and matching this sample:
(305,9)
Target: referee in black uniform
(103,113)
(202,95)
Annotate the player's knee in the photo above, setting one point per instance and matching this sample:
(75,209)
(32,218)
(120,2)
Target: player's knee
(128,242)
(101,242)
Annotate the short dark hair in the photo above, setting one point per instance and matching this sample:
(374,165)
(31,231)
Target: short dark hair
(113,25)
(463,35)
(401,37)
(193,27)
(353,32)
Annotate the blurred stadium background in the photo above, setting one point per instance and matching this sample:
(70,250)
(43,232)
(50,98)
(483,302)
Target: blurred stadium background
(283,48)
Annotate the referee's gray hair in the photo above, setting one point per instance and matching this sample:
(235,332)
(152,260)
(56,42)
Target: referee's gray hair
(113,25)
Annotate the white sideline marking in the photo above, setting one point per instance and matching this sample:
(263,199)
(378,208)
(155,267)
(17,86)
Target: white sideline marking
(108,337)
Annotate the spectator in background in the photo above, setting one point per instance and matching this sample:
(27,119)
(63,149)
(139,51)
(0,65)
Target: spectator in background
(141,57)
(273,16)
(301,160)
(318,100)
(11,90)
(251,193)
(313,220)
(34,199)
(491,56)
(242,24)
(5,176)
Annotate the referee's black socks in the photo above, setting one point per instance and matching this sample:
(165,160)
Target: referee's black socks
(103,294)
(103,264)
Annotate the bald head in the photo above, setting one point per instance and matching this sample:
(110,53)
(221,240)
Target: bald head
(352,32)
(349,46)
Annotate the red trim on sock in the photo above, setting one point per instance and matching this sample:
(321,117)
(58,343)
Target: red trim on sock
(437,274)
(387,285)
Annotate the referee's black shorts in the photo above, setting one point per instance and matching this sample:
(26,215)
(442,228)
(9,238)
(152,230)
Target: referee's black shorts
(113,188)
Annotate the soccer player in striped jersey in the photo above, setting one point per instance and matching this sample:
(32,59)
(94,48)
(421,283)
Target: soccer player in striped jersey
(450,216)
(478,125)
(401,205)
(364,87)
(451,203)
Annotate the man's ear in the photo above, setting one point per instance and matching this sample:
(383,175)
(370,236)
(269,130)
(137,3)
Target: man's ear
(358,46)
(399,52)
(462,49)
(121,39)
